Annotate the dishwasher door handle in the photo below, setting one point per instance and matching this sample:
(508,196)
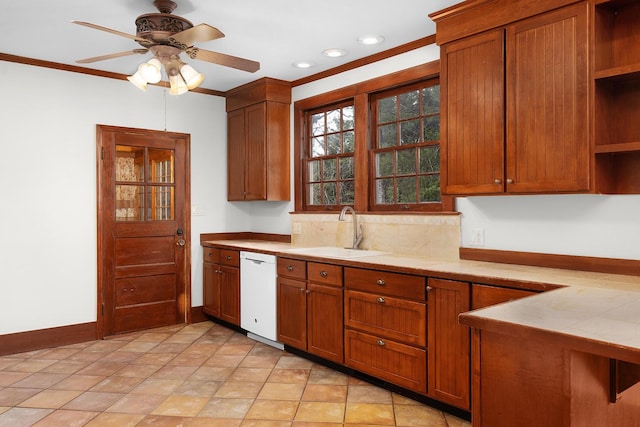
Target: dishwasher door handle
(255,261)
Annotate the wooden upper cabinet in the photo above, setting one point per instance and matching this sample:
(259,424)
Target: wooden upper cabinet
(515,112)
(258,141)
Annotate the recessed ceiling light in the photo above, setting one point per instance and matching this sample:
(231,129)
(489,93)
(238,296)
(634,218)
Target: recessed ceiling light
(303,64)
(370,39)
(334,53)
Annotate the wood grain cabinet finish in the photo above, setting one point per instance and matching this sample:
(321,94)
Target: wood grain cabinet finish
(221,284)
(515,115)
(258,141)
(385,331)
(310,313)
(449,342)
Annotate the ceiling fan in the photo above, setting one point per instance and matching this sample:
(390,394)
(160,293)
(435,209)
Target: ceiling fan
(166,36)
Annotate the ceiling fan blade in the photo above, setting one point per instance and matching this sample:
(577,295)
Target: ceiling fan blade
(109,30)
(223,59)
(112,55)
(199,33)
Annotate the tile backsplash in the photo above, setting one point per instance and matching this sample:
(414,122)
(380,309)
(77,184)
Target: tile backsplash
(434,236)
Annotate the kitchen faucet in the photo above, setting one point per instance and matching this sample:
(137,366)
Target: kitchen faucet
(357,238)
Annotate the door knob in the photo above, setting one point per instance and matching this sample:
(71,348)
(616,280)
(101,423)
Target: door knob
(181,242)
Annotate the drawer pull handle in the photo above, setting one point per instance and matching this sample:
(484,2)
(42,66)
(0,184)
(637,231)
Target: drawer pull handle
(323,274)
(289,267)
(210,254)
(380,282)
(381,300)
(380,342)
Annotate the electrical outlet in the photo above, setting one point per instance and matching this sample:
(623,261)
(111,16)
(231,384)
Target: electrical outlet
(197,210)
(296,228)
(477,237)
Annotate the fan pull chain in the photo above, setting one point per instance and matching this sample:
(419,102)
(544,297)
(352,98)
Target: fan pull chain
(165,109)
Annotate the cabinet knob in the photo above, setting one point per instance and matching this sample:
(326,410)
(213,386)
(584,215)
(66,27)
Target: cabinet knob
(289,267)
(509,181)
(497,181)
(381,300)
(429,288)
(380,342)
(380,282)
(303,290)
(228,257)
(323,274)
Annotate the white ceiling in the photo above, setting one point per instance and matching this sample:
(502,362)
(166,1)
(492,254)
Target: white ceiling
(275,33)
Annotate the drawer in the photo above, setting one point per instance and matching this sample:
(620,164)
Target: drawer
(293,268)
(231,258)
(211,255)
(398,319)
(397,363)
(383,282)
(327,274)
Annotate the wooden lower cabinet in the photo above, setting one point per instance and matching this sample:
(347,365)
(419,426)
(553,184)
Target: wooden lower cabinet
(221,284)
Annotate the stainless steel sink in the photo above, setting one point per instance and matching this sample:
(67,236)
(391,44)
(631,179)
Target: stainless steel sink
(335,252)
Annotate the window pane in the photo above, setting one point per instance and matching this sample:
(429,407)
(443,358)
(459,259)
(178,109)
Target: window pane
(315,194)
(431,128)
(330,196)
(410,132)
(387,135)
(410,104)
(349,142)
(333,121)
(129,203)
(387,110)
(431,100)
(347,118)
(384,164)
(346,168)
(347,193)
(313,168)
(407,190)
(129,163)
(160,203)
(406,164)
(430,159)
(333,144)
(384,191)
(329,169)
(429,188)
(317,124)
(317,146)
(161,165)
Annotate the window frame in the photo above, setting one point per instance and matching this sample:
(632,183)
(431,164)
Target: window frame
(360,94)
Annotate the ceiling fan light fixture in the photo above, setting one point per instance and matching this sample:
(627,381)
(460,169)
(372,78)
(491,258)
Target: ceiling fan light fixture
(150,70)
(191,77)
(177,85)
(138,80)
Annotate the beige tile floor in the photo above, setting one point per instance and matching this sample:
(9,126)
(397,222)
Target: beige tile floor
(193,375)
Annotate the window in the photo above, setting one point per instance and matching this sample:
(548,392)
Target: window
(405,154)
(328,165)
(374,145)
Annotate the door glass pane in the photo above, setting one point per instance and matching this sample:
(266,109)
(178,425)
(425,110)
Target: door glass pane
(161,165)
(129,203)
(160,203)
(129,163)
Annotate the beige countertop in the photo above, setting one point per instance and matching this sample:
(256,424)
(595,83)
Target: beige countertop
(594,312)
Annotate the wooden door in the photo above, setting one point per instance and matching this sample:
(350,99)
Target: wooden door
(292,313)
(473,111)
(449,342)
(143,229)
(325,322)
(547,102)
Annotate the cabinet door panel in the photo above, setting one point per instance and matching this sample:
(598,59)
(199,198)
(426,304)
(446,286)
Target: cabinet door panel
(256,184)
(547,98)
(235,155)
(230,294)
(472,81)
(292,313)
(324,322)
(449,342)
(211,287)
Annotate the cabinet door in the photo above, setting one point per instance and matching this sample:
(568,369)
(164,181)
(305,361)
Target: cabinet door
(292,313)
(211,288)
(473,111)
(230,294)
(324,322)
(547,102)
(256,161)
(236,137)
(449,342)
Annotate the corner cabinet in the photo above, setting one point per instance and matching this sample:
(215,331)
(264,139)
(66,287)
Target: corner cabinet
(515,99)
(258,166)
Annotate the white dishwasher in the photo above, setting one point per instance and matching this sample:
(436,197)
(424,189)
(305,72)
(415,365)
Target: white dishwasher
(258,281)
